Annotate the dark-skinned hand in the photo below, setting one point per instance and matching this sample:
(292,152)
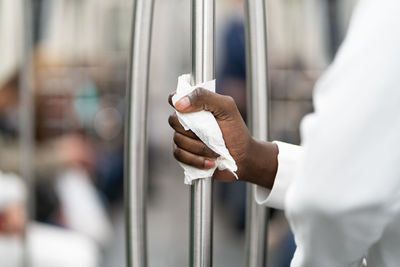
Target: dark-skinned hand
(256,161)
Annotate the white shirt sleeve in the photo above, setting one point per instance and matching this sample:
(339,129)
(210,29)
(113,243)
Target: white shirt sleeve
(288,159)
(347,187)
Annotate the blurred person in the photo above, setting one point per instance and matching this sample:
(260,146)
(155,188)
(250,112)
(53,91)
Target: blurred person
(81,204)
(49,156)
(340,188)
(12,201)
(108,125)
(61,164)
(64,189)
(47,246)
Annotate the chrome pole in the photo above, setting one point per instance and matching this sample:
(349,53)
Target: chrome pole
(26,116)
(203,61)
(135,134)
(257,88)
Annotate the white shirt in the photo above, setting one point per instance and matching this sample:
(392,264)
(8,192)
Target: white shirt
(12,190)
(341,189)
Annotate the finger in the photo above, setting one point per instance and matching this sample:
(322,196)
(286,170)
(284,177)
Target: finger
(170,99)
(176,125)
(193,146)
(192,159)
(202,99)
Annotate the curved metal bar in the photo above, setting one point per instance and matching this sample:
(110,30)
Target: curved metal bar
(258,105)
(203,63)
(135,135)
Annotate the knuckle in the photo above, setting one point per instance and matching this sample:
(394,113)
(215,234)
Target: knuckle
(199,97)
(177,153)
(199,93)
(204,150)
(172,120)
(229,103)
(229,100)
(176,138)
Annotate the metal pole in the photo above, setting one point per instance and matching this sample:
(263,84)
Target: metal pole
(257,86)
(26,115)
(135,135)
(332,7)
(203,61)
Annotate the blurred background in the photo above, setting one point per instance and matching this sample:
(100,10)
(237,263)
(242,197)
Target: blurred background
(80,54)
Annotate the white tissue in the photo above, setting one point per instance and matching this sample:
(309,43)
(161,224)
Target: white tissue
(204,125)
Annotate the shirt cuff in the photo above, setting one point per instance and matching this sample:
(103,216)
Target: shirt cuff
(288,158)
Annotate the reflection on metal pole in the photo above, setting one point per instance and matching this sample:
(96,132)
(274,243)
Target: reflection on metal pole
(135,136)
(203,20)
(257,86)
(26,113)
(334,26)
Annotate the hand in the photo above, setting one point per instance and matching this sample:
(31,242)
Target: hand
(13,220)
(256,161)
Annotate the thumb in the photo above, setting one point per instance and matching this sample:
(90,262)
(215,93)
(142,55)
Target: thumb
(202,99)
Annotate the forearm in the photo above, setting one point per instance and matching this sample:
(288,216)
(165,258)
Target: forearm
(261,164)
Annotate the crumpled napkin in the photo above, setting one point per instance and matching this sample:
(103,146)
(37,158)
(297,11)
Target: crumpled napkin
(204,125)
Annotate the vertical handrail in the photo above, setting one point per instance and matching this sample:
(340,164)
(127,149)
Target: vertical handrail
(257,87)
(26,116)
(203,69)
(135,134)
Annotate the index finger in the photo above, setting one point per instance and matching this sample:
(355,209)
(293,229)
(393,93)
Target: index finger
(175,124)
(170,99)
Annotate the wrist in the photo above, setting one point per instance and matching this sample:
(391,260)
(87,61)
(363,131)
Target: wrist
(261,163)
